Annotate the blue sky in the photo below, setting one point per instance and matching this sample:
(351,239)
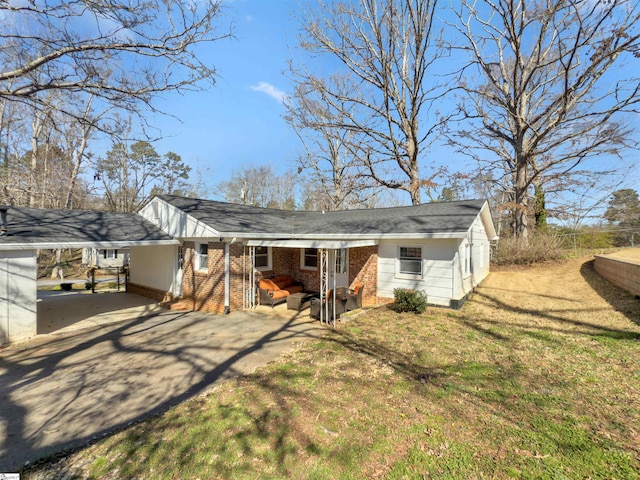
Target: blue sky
(239,121)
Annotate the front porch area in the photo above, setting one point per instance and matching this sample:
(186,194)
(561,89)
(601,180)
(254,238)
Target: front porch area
(234,271)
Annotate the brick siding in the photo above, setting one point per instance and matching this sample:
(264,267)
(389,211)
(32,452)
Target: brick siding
(204,291)
(363,267)
(622,273)
(149,292)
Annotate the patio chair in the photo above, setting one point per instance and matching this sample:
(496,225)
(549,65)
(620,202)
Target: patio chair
(354,297)
(339,299)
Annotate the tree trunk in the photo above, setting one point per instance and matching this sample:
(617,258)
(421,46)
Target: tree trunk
(77,161)
(521,221)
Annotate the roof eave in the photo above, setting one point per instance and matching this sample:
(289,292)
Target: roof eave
(343,236)
(83,244)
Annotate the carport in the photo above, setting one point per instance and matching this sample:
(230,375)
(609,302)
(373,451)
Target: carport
(24,231)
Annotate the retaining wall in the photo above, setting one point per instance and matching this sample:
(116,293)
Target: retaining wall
(622,273)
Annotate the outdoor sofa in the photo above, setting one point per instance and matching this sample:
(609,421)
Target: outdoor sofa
(274,291)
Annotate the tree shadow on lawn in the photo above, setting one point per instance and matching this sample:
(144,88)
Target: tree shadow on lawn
(623,301)
(101,397)
(551,320)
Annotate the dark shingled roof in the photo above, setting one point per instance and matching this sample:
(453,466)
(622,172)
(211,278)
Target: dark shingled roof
(39,226)
(428,218)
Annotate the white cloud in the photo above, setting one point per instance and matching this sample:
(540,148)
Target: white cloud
(270,90)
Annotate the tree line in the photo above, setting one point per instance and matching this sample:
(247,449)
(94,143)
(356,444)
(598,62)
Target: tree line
(75,73)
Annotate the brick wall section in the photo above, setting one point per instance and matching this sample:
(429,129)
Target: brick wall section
(149,292)
(622,273)
(204,291)
(363,267)
(236,261)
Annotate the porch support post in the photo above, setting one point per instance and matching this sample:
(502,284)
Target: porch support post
(333,287)
(249,291)
(324,307)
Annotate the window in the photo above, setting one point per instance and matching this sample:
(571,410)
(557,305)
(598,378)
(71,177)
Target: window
(263,258)
(468,265)
(110,253)
(202,256)
(410,262)
(341,261)
(309,259)
(180,257)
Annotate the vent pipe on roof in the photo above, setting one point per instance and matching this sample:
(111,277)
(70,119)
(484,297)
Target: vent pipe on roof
(3,221)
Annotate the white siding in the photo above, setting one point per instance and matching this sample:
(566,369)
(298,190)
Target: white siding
(18,295)
(174,221)
(465,282)
(437,260)
(154,267)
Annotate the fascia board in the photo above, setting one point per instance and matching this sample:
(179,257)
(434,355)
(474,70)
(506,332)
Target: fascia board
(312,243)
(354,236)
(487,220)
(84,244)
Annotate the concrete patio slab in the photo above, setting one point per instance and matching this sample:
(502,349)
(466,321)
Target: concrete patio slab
(119,365)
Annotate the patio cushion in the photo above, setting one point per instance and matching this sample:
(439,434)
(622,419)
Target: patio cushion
(294,289)
(283,281)
(280,294)
(268,285)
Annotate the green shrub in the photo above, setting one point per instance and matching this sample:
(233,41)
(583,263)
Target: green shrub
(88,285)
(407,300)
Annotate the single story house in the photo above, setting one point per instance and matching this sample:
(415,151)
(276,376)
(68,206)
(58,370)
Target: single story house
(441,248)
(211,254)
(105,257)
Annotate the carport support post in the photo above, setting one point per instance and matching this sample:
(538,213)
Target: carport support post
(93,280)
(323,283)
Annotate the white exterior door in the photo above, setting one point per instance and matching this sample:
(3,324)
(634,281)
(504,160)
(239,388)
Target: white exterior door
(341,258)
(177,283)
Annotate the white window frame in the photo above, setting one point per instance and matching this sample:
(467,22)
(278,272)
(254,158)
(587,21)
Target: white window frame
(468,253)
(110,253)
(303,257)
(201,259)
(400,259)
(342,260)
(269,265)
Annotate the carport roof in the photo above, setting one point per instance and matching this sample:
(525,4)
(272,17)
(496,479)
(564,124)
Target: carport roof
(31,228)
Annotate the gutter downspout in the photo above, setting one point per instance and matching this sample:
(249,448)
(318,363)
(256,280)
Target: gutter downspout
(227,283)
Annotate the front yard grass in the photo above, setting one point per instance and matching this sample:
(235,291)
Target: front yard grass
(537,376)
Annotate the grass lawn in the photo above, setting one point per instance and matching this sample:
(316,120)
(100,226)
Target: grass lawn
(537,376)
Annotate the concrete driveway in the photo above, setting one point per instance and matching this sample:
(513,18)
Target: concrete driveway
(123,359)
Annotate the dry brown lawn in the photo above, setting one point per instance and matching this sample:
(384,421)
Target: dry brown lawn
(628,254)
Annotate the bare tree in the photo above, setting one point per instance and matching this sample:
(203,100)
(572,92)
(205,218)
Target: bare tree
(541,97)
(333,156)
(119,51)
(387,49)
(261,187)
